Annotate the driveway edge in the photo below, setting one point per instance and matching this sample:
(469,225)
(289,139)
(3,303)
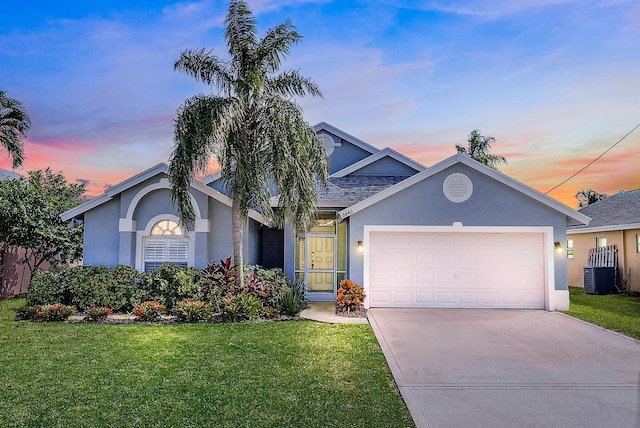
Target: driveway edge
(405,391)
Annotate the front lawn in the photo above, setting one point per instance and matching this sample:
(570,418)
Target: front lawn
(280,374)
(617,312)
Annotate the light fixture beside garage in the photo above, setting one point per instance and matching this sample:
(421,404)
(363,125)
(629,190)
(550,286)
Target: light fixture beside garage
(558,247)
(360,247)
(457,187)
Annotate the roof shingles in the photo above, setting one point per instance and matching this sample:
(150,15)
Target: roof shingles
(620,209)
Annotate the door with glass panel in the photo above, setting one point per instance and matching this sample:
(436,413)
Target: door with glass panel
(321,256)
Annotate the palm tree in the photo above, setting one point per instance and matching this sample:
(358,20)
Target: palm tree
(252,127)
(479,148)
(587,197)
(14,124)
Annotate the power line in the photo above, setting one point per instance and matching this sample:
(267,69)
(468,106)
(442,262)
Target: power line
(595,160)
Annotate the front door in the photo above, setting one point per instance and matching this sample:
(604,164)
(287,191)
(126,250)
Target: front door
(321,263)
(321,257)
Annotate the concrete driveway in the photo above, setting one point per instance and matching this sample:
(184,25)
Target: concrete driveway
(509,368)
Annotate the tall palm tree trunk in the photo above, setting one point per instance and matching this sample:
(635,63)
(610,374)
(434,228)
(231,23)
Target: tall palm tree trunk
(237,234)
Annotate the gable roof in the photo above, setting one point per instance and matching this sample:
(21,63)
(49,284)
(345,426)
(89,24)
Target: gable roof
(387,152)
(617,212)
(160,168)
(573,217)
(324,126)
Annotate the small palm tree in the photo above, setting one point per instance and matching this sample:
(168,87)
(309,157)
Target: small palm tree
(587,197)
(14,124)
(478,149)
(252,126)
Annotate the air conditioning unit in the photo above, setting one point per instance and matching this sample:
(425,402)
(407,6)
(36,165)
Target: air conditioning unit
(599,280)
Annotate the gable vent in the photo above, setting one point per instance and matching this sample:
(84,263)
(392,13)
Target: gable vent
(457,187)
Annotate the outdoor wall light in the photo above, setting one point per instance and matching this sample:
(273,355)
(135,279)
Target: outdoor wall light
(558,247)
(360,247)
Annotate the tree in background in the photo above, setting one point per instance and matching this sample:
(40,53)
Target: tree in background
(30,218)
(252,127)
(479,148)
(588,197)
(14,124)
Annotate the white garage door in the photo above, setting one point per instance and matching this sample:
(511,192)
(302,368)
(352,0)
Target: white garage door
(456,270)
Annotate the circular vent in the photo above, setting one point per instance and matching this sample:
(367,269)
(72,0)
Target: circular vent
(328,142)
(457,187)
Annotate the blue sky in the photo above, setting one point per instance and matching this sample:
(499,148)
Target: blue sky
(554,81)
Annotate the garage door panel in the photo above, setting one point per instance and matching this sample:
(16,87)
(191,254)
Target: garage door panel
(457,270)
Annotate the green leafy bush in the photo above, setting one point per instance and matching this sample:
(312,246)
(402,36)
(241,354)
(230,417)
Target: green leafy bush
(101,286)
(26,313)
(190,310)
(242,306)
(293,301)
(84,287)
(148,311)
(55,312)
(350,296)
(98,314)
(168,284)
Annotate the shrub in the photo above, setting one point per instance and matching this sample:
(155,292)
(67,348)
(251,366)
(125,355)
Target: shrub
(190,310)
(148,311)
(84,287)
(98,314)
(46,288)
(350,296)
(276,282)
(101,286)
(26,313)
(293,301)
(242,306)
(55,312)
(168,284)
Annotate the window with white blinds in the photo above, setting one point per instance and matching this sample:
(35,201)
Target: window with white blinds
(162,250)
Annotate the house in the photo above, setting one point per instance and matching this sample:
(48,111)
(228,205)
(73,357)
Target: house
(457,234)
(615,221)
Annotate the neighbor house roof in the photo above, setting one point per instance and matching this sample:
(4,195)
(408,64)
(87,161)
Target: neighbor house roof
(573,217)
(6,174)
(160,168)
(618,212)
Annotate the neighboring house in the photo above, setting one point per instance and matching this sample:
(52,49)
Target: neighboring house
(615,221)
(458,234)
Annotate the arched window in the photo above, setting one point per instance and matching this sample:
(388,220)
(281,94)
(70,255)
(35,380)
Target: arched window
(165,245)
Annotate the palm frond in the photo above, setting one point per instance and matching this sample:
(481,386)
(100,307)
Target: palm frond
(275,45)
(14,125)
(240,30)
(199,130)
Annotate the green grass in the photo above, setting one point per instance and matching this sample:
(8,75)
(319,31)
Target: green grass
(617,312)
(279,374)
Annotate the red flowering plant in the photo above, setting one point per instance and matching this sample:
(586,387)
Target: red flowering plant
(98,313)
(148,311)
(350,297)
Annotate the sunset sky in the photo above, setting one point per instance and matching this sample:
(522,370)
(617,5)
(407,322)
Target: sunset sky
(556,82)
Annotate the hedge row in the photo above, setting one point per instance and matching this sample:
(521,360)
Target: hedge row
(122,287)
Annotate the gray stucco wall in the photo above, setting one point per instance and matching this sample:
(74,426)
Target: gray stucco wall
(491,204)
(101,239)
(345,155)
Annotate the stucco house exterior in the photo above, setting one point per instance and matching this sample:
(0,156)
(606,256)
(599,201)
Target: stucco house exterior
(615,221)
(457,234)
